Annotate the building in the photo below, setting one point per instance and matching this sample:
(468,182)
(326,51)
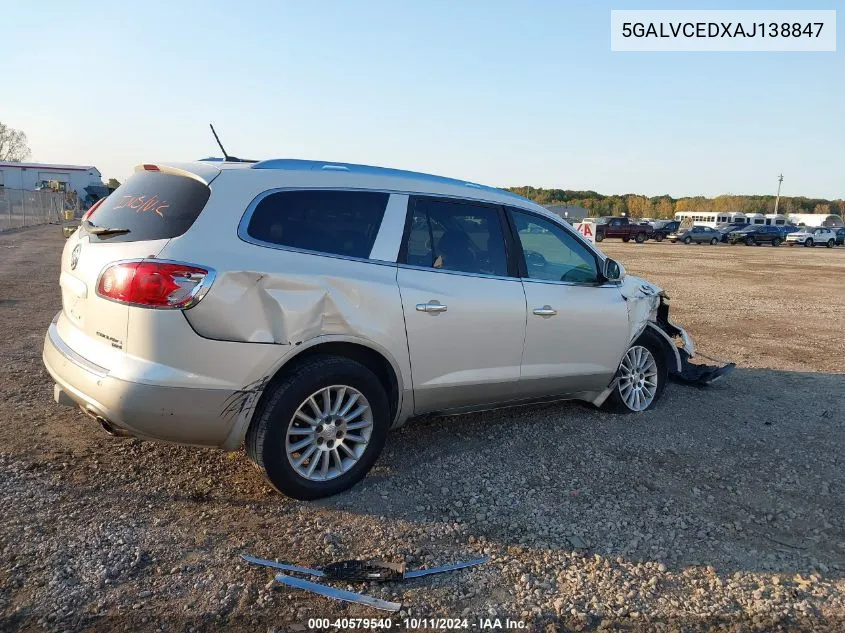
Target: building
(32,176)
(570,212)
(816,219)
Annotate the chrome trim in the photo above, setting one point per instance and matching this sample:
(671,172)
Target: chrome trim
(196,294)
(457,272)
(72,356)
(606,284)
(337,594)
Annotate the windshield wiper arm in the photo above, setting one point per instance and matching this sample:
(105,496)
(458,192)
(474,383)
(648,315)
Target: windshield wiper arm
(102,230)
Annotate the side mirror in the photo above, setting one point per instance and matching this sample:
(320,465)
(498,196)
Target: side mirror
(613,270)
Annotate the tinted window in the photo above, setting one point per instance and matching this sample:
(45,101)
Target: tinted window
(455,236)
(334,222)
(552,253)
(152,205)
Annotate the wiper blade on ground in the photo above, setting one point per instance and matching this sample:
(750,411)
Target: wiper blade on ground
(102,230)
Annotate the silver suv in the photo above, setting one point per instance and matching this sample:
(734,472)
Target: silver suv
(304,308)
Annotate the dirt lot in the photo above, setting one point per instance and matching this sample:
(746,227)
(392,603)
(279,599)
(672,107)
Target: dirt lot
(722,507)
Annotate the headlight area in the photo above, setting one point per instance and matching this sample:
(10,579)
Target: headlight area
(690,373)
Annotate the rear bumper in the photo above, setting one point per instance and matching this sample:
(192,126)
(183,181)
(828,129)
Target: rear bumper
(202,417)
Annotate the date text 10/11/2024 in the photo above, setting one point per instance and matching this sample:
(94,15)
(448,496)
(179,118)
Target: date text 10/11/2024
(435,624)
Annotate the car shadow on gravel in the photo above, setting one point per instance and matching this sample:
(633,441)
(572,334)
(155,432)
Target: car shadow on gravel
(745,475)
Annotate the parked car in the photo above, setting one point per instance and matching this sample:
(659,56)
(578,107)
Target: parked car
(697,234)
(756,234)
(285,307)
(813,236)
(663,228)
(725,228)
(840,236)
(786,229)
(622,228)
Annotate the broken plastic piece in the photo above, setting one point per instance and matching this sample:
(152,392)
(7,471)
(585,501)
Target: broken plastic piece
(337,594)
(365,570)
(379,571)
(700,374)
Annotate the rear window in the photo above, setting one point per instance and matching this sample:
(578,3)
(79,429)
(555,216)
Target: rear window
(153,206)
(332,222)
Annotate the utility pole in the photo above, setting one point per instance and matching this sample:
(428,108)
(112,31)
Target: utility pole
(780,180)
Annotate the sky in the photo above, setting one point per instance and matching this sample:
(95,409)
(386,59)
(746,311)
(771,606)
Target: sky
(502,93)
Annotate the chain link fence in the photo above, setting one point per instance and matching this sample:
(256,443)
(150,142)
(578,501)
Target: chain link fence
(19,208)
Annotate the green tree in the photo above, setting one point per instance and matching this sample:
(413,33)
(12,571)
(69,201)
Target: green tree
(113,183)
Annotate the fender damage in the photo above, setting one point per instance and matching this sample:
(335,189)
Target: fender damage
(648,307)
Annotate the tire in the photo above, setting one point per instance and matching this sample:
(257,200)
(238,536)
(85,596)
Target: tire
(641,237)
(713,242)
(776,241)
(808,242)
(750,241)
(830,243)
(599,236)
(687,240)
(626,239)
(658,237)
(267,439)
(616,402)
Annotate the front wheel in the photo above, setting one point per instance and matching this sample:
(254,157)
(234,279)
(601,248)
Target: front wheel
(713,242)
(599,236)
(641,377)
(687,240)
(750,241)
(776,241)
(830,243)
(658,237)
(320,430)
(626,239)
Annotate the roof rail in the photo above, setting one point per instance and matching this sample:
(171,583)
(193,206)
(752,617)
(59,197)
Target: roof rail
(294,164)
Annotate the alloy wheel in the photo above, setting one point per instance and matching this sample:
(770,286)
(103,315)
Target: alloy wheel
(329,433)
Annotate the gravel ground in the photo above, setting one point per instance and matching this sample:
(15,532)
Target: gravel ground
(722,508)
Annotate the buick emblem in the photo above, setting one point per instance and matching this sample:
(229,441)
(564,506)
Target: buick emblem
(74,256)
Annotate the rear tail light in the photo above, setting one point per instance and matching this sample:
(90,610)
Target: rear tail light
(155,284)
(90,211)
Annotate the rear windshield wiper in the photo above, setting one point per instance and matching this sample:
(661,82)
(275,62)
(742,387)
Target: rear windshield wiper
(102,230)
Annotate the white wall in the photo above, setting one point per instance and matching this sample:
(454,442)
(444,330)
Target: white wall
(815,219)
(30,177)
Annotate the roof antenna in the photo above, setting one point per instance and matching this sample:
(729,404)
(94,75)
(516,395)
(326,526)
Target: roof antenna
(222,149)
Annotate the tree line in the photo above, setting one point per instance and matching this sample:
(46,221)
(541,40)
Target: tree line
(639,206)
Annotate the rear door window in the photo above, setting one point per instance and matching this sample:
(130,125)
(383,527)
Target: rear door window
(332,222)
(152,205)
(456,236)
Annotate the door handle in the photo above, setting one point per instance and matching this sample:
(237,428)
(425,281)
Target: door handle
(432,306)
(545,311)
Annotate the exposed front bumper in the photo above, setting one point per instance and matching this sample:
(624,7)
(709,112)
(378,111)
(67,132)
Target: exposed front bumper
(197,416)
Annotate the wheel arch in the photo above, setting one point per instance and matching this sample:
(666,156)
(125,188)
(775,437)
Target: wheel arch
(363,351)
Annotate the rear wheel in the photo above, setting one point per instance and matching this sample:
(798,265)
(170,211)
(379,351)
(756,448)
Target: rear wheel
(599,236)
(658,237)
(687,240)
(713,242)
(641,377)
(641,237)
(626,239)
(320,430)
(750,241)
(776,241)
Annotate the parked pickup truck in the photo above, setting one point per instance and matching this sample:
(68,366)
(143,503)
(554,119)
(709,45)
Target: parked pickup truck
(623,228)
